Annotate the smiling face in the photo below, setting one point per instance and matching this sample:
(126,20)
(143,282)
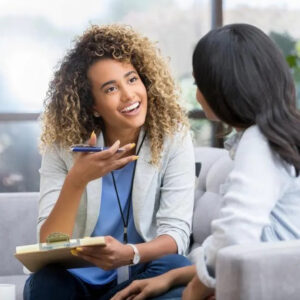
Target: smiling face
(120,96)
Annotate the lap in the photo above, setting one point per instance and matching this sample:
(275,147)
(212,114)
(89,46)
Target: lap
(155,268)
(173,294)
(53,282)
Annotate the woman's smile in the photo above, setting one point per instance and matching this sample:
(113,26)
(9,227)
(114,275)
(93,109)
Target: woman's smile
(131,109)
(120,96)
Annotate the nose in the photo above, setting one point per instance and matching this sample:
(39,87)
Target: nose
(127,93)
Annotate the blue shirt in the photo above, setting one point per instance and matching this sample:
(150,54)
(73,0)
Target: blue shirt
(110,221)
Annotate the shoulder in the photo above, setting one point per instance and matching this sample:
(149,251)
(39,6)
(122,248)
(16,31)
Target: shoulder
(57,154)
(254,153)
(54,150)
(254,136)
(180,140)
(253,142)
(178,151)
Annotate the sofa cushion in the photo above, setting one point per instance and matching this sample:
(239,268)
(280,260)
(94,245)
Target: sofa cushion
(215,167)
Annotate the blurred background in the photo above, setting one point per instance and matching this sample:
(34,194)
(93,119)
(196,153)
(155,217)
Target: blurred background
(34,36)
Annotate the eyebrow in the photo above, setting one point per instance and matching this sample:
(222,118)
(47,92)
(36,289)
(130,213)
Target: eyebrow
(114,81)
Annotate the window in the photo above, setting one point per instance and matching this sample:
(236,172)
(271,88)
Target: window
(34,37)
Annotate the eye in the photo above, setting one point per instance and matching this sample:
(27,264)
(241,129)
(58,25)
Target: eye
(133,79)
(110,90)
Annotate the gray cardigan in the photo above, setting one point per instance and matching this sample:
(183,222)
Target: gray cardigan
(162,196)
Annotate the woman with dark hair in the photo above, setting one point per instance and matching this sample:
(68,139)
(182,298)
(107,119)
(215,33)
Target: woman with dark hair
(243,80)
(115,83)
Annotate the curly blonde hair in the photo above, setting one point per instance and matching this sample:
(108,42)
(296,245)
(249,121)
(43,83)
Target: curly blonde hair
(68,115)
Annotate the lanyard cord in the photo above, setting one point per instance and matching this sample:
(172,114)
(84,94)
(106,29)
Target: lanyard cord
(125,222)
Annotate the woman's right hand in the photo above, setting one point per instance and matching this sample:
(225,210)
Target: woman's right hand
(90,166)
(143,289)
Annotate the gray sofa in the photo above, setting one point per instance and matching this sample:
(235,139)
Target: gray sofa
(18,215)
(252,272)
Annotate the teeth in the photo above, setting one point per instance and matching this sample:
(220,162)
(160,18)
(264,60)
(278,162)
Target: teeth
(131,107)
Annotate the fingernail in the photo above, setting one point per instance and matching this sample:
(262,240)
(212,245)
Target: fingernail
(79,249)
(93,134)
(74,252)
(132,145)
(135,157)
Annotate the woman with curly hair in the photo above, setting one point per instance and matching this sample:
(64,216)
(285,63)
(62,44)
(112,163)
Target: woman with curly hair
(114,83)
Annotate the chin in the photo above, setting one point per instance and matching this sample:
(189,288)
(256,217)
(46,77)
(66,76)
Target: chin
(137,125)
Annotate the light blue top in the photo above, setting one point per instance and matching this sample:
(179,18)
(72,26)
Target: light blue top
(110,221)
(261,201)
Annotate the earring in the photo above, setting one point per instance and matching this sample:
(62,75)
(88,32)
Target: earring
(96,114)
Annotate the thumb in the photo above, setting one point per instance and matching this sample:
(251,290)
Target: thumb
(93,139)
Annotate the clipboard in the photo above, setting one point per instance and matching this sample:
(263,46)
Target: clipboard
(56,250)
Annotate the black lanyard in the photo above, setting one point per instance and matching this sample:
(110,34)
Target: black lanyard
(125,222)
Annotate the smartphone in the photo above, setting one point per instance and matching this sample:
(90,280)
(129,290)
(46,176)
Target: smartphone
(88,148)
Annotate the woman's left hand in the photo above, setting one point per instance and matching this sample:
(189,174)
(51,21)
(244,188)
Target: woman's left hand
(196,290)
(111,256)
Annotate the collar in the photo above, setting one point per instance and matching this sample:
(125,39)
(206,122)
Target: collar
(231,144)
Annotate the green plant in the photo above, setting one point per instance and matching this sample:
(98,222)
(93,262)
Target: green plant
(291,50)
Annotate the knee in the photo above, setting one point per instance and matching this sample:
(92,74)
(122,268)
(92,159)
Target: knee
(48,275)
(45,281)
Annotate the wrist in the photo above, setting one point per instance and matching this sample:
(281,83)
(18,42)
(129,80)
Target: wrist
(75,181)
(169,279)
(129,255)
(136,256)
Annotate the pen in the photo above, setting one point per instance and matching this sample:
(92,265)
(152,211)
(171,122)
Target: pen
(86,148)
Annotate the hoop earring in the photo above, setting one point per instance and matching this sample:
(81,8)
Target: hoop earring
(96,114)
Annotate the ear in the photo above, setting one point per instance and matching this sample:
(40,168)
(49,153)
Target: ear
(96,114)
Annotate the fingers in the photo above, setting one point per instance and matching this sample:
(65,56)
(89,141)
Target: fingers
(93,139)
(97,261)
(96,251)
(109,152)
(88,258)
(117,164)
(113,151)
(141,296)
(131,291)
(100,163)
(128,147)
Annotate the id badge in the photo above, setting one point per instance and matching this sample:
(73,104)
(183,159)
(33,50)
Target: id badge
(123,274)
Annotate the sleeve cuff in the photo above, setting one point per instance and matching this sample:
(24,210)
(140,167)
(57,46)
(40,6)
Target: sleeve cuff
(181,246)
(202,270)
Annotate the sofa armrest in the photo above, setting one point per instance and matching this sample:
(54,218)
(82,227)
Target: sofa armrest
(18,219)
(268,271)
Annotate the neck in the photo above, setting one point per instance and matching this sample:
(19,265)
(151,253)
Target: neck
(125,136)
(239,129)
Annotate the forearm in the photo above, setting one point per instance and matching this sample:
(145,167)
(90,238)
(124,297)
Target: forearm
(62,216)
(156,248)
(181,276)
